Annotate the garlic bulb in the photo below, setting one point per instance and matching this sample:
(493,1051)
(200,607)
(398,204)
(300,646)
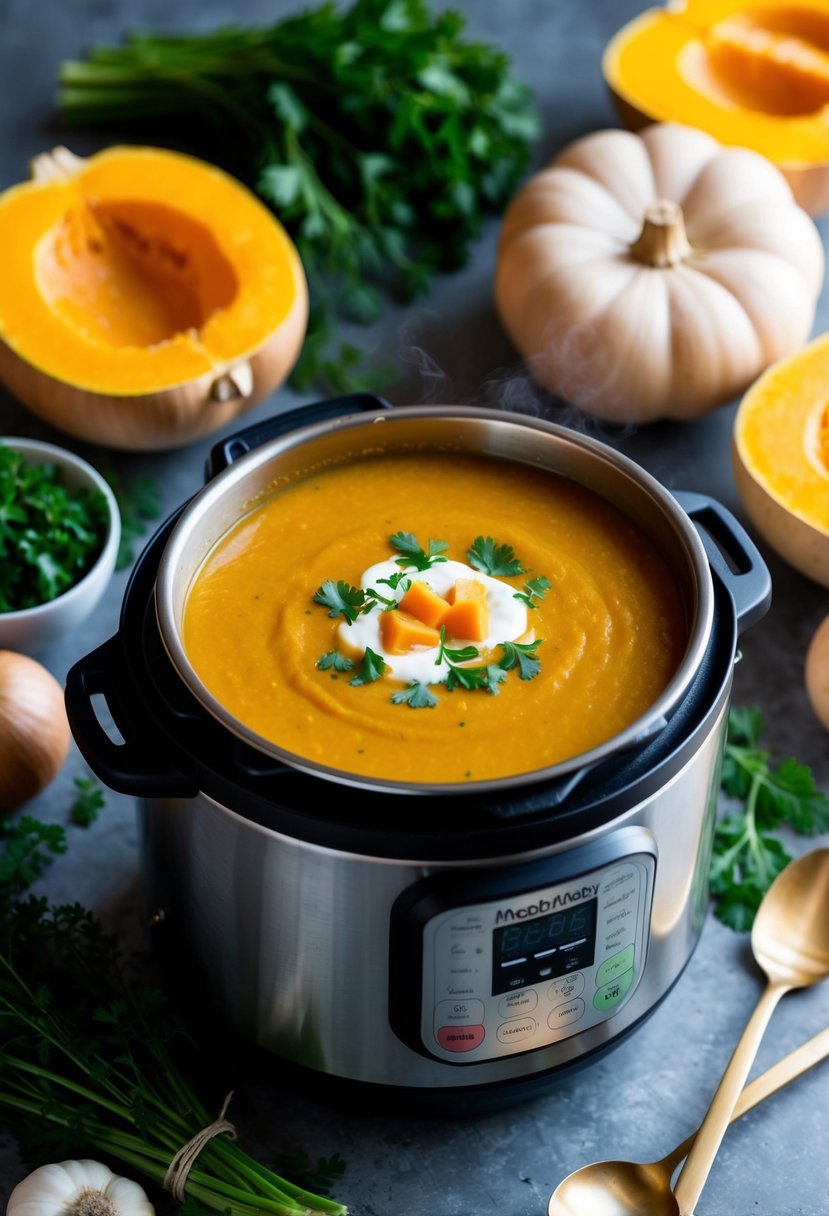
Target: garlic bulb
(77,1188)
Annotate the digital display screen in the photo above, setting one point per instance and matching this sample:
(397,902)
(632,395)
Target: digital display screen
(530,951)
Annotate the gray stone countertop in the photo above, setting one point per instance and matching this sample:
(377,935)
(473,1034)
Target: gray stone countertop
(650,1092)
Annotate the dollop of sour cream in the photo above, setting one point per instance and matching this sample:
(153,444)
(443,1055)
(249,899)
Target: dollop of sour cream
(507,619)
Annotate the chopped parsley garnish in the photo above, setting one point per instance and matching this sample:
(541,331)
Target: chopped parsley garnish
(371,669)
(747,854)
(534,589)
(494,559)
(521,655)
(341,597)
(333,660)
(413,555)
(416,696)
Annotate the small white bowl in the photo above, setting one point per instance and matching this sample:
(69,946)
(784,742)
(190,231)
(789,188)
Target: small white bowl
(32,628)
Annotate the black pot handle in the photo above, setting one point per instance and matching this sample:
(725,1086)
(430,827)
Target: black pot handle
(732,554)
(138,765)
(244,441)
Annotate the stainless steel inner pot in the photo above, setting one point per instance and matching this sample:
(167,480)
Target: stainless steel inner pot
(239,488)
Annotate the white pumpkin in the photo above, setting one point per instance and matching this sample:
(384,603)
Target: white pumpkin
(655,275)
(77,1188)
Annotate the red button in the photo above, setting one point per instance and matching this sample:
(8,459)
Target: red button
(460,1038)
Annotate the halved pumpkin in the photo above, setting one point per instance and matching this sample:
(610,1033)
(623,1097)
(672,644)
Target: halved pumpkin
(781,458)
(147,298)
(752,73)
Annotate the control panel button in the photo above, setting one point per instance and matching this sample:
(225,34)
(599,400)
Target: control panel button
(564,1014)
(566,987)
(611,994)
(516,1030)
(464,1013)
(615,966)
(460,1038)
(515,1003)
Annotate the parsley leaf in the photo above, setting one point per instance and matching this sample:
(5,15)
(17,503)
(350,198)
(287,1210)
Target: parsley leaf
(371,669)
(341,597)
(50,536)
(413,555)
(534,589)
(747,854)
(27,845)
(416,696)
(491,558)
(139,502)
(88,802)
(522,655)
(332,659)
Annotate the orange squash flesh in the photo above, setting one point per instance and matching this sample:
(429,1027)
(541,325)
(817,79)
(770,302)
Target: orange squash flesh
(421,601)
(752,73)
(401,632)
(468,616)
(139,272)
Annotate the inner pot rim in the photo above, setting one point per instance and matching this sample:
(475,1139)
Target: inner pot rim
(478,431)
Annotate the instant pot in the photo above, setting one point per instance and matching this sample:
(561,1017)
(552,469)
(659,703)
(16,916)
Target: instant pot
(442,941)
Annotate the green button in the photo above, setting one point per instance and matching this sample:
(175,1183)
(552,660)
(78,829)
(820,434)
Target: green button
(615,966)
(612,993)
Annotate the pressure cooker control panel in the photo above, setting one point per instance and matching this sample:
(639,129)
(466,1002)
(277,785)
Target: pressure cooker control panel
(528,967)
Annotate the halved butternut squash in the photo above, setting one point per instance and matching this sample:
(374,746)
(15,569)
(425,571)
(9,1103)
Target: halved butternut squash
(147,298)
(752,73)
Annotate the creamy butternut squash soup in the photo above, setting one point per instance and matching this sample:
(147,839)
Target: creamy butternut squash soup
(435,618)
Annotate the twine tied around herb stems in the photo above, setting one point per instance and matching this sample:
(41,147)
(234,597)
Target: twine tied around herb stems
(179,1168)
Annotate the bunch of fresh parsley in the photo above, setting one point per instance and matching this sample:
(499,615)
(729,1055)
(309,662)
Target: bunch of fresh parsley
(748,853)
(379,133)
(50,536)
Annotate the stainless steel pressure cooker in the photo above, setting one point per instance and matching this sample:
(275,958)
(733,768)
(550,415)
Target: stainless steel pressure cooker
(441,940)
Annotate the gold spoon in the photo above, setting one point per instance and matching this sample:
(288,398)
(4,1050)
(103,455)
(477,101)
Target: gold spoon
(790,942)
(625,1188)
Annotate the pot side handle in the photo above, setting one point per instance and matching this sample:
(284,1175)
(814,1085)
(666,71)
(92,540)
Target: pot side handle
(137,764)
(250,437)
(732,554)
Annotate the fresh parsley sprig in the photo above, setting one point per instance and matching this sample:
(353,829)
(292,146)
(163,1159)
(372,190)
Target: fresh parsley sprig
(416,696)
(489,557)
(332,660)
(341,599)
(534,589)
(413,553)
(748,854)
(372,668)
(522,655)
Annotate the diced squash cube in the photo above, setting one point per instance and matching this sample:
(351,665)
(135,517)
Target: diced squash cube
(468,615)
(401,632)
(421,601)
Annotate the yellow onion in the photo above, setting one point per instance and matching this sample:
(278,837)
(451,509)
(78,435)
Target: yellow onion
(34,731)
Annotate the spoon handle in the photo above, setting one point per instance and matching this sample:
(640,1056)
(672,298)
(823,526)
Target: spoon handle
(773,1079)
(709,1137)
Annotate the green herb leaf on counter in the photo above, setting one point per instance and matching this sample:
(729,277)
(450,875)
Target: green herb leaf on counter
(139,502)
(319,1177)
(493,559)
(747,854)
(88,802)
(28,848)
(49,537)
(381,136)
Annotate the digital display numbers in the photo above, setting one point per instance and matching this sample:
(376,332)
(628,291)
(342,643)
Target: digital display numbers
(529,951)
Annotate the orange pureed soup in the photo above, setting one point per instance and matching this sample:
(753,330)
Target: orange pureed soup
(541,622)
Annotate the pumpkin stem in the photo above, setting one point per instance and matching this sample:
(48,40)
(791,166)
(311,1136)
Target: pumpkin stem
(662,241)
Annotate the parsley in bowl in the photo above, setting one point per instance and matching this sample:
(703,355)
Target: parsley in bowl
(59,534)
